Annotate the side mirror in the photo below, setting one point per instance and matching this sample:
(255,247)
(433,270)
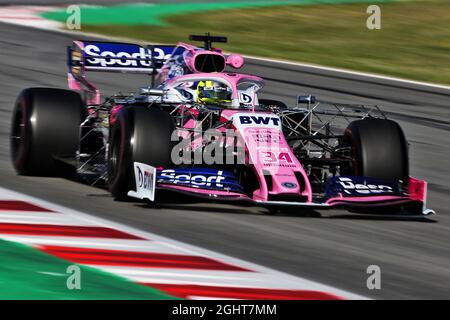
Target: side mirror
(306,99)
(235,60)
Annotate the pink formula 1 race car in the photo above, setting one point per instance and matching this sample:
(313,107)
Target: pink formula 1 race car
(206,132)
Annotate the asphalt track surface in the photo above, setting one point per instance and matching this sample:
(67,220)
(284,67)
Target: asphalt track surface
(332,247)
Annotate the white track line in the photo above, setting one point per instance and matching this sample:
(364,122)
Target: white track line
(93,243)
(205,277)
(40,218)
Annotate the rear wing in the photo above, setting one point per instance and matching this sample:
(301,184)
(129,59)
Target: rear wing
(116,57)
(208,39)
(85,56)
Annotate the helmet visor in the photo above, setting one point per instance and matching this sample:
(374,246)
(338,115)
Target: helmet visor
(217,93)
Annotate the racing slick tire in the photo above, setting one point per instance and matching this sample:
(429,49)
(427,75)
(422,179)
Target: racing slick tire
(45,126)
(379,149)
(140,134)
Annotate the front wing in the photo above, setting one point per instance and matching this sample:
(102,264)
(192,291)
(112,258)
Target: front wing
(354,193)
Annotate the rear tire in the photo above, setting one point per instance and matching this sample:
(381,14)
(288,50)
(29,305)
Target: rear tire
(140,134)
(379,149)
(45,125)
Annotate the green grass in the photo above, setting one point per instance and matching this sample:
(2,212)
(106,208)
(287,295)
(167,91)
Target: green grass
(26,273)
(414,41)
(156,13)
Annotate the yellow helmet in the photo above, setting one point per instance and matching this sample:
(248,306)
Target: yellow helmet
(213,92)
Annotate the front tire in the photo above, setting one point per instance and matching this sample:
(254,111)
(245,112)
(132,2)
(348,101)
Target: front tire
(140,134)
(379,149)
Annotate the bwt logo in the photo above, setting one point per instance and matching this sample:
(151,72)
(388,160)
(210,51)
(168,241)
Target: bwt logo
(145,179)
(109,58)
(260,120)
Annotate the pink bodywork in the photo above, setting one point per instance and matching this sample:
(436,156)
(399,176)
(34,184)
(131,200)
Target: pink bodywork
(234,60)
(270,155)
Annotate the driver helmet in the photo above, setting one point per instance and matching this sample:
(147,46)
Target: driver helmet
(213,92)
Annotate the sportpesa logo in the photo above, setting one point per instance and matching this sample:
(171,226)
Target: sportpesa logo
(121,56)
(351,187)
(196,181)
